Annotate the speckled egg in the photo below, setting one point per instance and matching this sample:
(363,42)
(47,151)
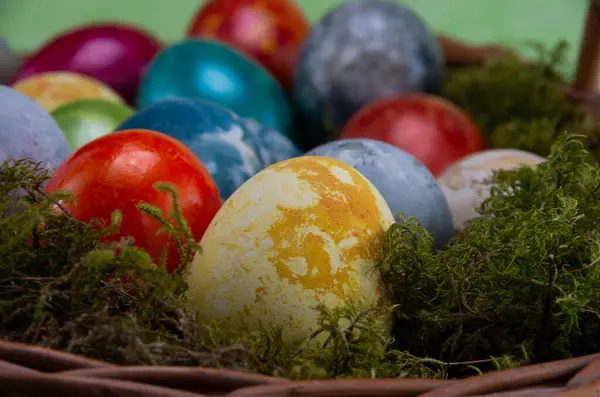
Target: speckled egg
(215,134)
(55,89)
(361,51)
(27,130)
(9,62)
(407,186)
(299,233)
(272,146)
(463,182)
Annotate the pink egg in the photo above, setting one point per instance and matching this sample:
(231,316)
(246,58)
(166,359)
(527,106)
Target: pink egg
(116,54)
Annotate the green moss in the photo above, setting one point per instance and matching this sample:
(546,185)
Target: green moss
(521,104)
(521,281)
(61,287)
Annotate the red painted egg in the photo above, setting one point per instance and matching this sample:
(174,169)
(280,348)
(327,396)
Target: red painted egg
(115,54)
(270,31)
(119,170)
(430,128)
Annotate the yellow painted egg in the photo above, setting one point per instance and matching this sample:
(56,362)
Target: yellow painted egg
(463,182)
(299,233)
(55,89)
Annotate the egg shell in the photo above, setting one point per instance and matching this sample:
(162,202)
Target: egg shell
(407,186)
(301,232)
(27,130)
(55,89)
(462,182)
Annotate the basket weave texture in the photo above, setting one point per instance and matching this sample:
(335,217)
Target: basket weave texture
(27,370)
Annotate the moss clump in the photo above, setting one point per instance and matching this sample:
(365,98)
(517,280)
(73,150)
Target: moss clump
(519,104)
(520,282)
(61,287)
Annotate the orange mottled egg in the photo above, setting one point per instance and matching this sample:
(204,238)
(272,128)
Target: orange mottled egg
(55,89)
(299,233)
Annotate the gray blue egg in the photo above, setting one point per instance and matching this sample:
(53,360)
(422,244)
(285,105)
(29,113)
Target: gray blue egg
(272,146)
(406,185)
(9,62)
(28,131)
(216,135)
(361,51)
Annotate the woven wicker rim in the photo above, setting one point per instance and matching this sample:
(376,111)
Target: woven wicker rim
(38,371)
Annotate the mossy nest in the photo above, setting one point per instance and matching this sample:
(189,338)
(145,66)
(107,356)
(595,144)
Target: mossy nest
(518,286)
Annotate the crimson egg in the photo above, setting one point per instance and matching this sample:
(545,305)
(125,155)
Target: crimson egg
(115,54)
(433,130)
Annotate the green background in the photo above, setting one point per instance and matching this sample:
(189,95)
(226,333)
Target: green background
(25,24)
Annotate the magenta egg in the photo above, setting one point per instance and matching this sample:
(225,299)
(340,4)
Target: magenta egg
(116,54)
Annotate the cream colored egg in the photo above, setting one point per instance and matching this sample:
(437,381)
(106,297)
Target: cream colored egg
(301,232)
(55,89)
(463,182)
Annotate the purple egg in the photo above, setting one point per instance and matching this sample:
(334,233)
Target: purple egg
(115,54)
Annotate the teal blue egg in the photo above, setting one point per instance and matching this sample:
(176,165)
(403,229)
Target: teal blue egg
(209,70)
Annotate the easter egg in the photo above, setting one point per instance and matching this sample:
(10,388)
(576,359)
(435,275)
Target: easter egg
(463,183)
(114,53)
(209,70)
(119,170)
(85,120)
(9,62)
(359,52)
(270,32)
(272,146)
(55,89)
(28,131)
(430,128)
(299,233)
(215,134)
(406,185)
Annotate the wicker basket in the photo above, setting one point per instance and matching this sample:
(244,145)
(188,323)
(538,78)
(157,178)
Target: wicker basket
(34,371)
(27,370)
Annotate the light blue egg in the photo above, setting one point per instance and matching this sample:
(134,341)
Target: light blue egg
(210,70)
(28,131)
(9,62)
(216,135)
(406,185)
(272,146)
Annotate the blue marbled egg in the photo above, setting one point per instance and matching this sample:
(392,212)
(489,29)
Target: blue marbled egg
(361,51)
(214,71)
(27,130)
(272,146)
(9,62)
(406,185)
(215,134)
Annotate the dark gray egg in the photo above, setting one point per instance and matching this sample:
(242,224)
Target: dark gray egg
(359,52)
